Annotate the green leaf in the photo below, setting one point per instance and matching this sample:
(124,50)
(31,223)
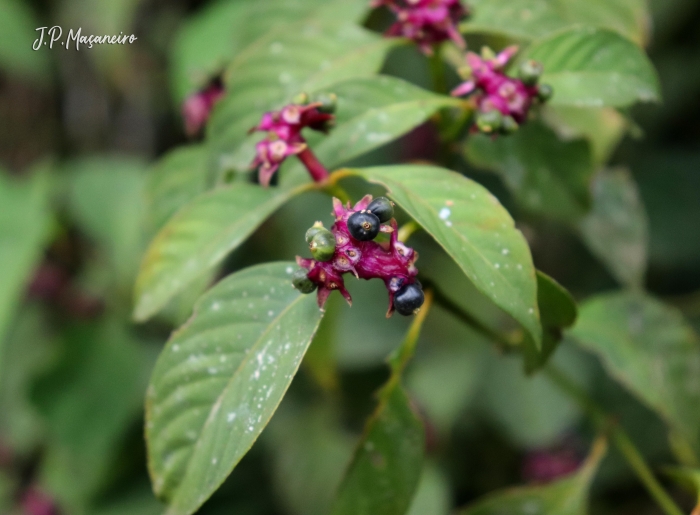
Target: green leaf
(433,496)
(616,228)
(531,19)
(386,468)
(602,127)
(17,36)
(89,399)
(595,67)
(99,191)
(475,231)
(557,311)
(221,377)
(650,349)
(174,181)
(546,175)
(207,42)
(568,496)
(688,478)
(199,237)
(24,224)
(371,111)
(307,57)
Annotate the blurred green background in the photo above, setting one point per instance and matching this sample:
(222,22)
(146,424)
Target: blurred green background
(79,133)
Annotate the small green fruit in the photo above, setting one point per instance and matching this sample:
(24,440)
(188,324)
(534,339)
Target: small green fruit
(530,72)
(301,281)
(490,121)
(322,245)
(544,92)
(313,231)
(509,125)
(382,208)
(328,101)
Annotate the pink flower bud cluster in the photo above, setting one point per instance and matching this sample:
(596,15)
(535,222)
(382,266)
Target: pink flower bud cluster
(197,107)
(426,22)
(392,261)
(284,139)
(492,89)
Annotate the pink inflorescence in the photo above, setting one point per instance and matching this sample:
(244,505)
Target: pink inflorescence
(392,261)
(426,22)
(493,90)
(284,138)
(197,107)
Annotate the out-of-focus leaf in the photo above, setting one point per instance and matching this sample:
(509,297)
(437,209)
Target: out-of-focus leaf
(650,349)
(198,238)
(371,111)
(557,311)
(138,502)
(17,37)
(24,224)
(433,496)
(27,351)
(568,496)
(530,19)
(689,478)
(594,68)
(616,228)
(92,395)
(546,175)
(529,409)
(174,181)
(475,231)
(107,199)
(386,468)
(220,379)
(311,452)
(207,42)
(307,57)
(602,127)
(446,377)
(7,492)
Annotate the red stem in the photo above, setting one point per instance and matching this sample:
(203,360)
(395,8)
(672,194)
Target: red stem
(317,171)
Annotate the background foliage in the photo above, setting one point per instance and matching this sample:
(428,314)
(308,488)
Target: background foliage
(100,186)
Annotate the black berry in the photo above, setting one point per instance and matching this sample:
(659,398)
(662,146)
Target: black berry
(301,282)
(409,299)
(363,226)
(322,245)
(382,208)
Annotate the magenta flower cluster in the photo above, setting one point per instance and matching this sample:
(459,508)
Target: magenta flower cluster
(426,22)
(493,90)
(392,261)
(197,107)
(284,139)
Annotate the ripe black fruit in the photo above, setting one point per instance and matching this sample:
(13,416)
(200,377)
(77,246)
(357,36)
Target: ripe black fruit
(382,208)
(301,282)
(409,299)
(363,226)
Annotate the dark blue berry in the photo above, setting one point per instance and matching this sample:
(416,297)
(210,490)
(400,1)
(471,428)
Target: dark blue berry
(363,226)
(409,299)
(382,208)
(301,281)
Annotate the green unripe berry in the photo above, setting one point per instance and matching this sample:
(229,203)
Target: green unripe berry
(322,245)
(301,99)
(509,125)
(382,208)
(544,92)
(328,102)
(490,121)
(301,281)
(530,72)
(313,231)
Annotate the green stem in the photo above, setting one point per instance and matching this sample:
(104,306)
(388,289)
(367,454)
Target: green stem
(619,437)
(437,71)
(406,230)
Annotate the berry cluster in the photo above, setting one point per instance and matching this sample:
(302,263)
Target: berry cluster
(426,22)
(349,246)
(502,102)
(284,136)
(197,107)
